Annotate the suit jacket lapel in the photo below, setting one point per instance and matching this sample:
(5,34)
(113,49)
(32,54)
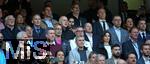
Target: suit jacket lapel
(86,38)
(114,32)
(132,47)
(100,26)
(122,35)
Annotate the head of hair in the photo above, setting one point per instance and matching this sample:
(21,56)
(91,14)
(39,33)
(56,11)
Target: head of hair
(144,44)
(35,15)
(100,55)
(90,55)
(58,51)
(100,9)
(129,54)
(74,3)
(86,24)
(57,24)
(46,2)
(115,45)
(61,19)
(147,41)
(132,29)
(46,7)
(46,31)
(20,34)
(77,37)
(121,60)
(6,19)
(104,35)
(140,21)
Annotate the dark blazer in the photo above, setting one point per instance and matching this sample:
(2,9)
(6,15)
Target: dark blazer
(66,49)
(141,61)
(40,35)
(80,21)
(10,34)
(98,30)
(87,39)
(127,47)
(100,49)
(67,34)
(143,40)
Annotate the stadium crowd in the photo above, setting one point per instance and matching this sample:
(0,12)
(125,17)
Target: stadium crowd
(94,36)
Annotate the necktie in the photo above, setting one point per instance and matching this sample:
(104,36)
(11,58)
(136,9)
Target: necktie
(38,31)
(104,28)
(143,34)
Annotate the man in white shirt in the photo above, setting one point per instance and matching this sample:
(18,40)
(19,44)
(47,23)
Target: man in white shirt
(101,24)
(142,30)
(118,34)
(88,35)
(145,58)
(79,32)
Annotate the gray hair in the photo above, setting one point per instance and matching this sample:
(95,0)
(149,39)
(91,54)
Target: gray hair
(7,17)
(20,34)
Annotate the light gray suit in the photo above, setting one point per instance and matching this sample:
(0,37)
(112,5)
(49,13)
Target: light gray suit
(110,61)
(75,56)
(114,38)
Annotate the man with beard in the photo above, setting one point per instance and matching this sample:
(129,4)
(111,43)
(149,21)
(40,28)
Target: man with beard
(131,58)
(145,58)
(116,52)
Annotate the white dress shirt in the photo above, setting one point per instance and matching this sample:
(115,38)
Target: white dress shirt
(89,35)
(118,33)
(73,44)
(108,49)
(106,25)
(146,60)
(142,34)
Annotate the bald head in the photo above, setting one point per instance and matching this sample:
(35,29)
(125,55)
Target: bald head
(63,20)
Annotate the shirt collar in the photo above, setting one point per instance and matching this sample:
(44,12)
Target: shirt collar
(116,28)
(142,32)
(145,58)
(101,20)
(53,43)
(36,27)
(132,40)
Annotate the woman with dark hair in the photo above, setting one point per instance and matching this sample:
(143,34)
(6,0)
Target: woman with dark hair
(104,47)
(60,58)
(128,24)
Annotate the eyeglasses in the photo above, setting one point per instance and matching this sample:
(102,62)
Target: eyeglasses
(79,30)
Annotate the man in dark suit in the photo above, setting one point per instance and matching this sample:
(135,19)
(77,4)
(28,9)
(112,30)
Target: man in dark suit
(118,34)
(145,58)
(124,11)
(132,45)
(101,24)
(76,15)
(143,34)
(116,52)
(10,30)
(38,32)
